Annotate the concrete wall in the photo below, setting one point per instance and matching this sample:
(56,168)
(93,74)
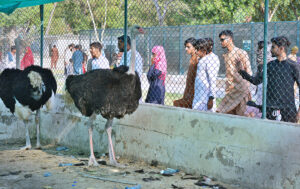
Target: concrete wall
(251,152)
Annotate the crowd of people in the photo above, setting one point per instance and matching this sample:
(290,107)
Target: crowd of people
(283,72)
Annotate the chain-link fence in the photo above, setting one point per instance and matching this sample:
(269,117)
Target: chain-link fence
(203,76)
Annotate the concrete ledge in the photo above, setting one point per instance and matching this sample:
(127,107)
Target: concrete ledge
(252,152)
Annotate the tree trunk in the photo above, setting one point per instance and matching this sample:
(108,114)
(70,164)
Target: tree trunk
(50,19)
(161,16)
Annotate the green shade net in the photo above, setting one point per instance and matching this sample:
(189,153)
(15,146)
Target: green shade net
(8,6)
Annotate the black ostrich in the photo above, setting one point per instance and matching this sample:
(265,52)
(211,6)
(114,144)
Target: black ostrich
(111,93)
(25,91)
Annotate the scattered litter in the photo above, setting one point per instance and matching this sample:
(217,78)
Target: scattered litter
(65,164)
(75,182)
(62,148)
(79,164)
(27,175)
(133,187)
(12,160)
(106,179)
(73,185)
(140,171)
(47,187)
(213,186)
(154,163)
(169,172)
(102,162)
(178,187)
(189,177)
(4,174)
(43,167)
(80,153)
(15,172)
(153,172)
(150,179)
(47,174)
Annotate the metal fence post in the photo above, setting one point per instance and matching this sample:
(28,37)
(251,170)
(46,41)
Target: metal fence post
(298,35)
(252,45)
(42,34)
(150,44)
(214,34)
(265,79)
(180,51)
(275,29)
(125,34)
(90,33)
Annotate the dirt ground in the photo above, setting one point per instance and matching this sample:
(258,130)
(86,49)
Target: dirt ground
(28,169)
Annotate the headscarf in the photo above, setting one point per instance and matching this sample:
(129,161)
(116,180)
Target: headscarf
(28,59)
(160,60)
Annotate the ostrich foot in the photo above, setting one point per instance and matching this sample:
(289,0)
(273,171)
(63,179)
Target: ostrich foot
(93,161)
(27,147)
(38,147)
(114,163)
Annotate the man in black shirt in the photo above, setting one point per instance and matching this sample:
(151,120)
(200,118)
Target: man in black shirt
(282,74)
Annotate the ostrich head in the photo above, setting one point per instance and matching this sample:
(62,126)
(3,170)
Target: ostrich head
(38,86)
(136,30)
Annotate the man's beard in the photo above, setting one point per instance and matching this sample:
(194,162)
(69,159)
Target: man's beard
(273,54)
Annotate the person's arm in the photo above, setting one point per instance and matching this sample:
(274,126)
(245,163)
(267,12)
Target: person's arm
(212,72)
(297,79)
(153,73)
(255,80)
(244,58)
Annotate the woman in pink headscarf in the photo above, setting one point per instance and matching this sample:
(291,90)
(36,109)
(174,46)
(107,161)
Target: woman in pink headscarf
(156,76)
(28,59)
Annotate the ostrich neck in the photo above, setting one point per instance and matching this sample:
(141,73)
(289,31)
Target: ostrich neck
(132,59)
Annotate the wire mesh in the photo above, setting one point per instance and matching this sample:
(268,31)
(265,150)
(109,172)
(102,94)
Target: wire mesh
(172,77)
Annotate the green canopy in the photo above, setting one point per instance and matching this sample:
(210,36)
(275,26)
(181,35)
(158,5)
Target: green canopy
(8,6)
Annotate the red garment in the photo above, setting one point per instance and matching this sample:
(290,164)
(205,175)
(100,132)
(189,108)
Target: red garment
(28,59)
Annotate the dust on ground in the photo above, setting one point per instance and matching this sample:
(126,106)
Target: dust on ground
(38,169)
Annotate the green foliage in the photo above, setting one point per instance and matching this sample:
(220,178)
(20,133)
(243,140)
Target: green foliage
(71,16)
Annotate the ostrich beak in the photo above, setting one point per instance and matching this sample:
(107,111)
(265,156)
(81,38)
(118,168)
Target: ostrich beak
(141,30)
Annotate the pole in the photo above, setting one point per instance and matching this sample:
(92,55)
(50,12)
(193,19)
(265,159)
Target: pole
(125,34)
(265,79)
(42,33)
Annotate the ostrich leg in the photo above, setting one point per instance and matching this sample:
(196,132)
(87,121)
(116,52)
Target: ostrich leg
(38,122)
(28,144)
(92,160)
(112,157)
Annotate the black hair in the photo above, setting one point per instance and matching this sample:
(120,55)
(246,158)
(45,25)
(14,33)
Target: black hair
(121,38)
(210,44)
(190,40)
(96,45)
(202,44)
(226,33)
(12,48)
(281,41)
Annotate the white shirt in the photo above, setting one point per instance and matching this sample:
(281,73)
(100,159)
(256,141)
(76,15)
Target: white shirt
(138,61)
(68,55)
(98,63)
(205,83)
(10,64)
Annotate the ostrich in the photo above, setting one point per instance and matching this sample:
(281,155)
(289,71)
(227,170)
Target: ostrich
(25,91)
(111,93)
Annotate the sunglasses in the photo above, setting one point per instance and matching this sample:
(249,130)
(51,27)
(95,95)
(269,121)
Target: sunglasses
(223,39)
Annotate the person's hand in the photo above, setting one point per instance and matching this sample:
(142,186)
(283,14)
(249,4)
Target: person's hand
(210,104)
(298,115)
(243,73)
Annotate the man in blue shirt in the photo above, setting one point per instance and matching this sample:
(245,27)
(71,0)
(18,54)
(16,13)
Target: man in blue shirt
(138,58)
(77,59)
